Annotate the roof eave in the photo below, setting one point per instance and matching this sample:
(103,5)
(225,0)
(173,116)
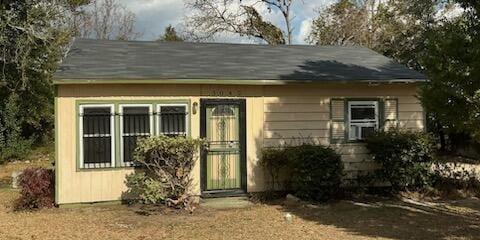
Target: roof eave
(228,81)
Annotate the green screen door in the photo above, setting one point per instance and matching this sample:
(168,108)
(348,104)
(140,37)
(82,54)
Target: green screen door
(222,155)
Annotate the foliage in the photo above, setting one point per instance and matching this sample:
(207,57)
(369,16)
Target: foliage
(147,190)
(451,62)
(37,189)
(101,19)
(170,35)
(448,178)
(168,163)
(405,158)
(274,161)
(210,18)
(312,172)
(316,172)
(32,40)
(12,144)
(393,28)
(257,27)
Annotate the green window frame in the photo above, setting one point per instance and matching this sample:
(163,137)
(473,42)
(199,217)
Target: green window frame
(123,135)
(82,136)
(117,148)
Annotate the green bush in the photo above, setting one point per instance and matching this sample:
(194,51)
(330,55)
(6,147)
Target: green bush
(274,161)
(317,172)
(145,190)
(167,164)
(405,158)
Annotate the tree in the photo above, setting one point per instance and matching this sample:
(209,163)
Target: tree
(343,23)
(393,27)
(452,63)
(102,19)
(170,35)
(32,42)
(212,17)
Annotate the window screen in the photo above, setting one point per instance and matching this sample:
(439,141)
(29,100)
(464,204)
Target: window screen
(173,120)
(96,136)
(136,123)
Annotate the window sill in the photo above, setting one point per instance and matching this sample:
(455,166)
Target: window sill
(105,169)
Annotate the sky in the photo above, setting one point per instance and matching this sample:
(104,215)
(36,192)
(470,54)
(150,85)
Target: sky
(152,16)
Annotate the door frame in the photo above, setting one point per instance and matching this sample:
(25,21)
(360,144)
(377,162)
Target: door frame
(243,147)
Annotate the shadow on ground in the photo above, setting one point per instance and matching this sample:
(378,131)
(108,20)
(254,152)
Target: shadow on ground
(406,219)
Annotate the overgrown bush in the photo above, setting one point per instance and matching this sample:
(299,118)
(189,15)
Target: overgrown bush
(37,189)
(313,172)
(167,164)
(405,158)
(317,172)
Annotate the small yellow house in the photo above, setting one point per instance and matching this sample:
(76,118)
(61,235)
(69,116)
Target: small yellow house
(240,98)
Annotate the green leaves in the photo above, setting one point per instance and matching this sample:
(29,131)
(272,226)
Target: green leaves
(168,163)
(404,157)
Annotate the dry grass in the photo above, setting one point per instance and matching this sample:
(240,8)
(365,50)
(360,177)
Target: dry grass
(359,219)
(367,219)
(40,157)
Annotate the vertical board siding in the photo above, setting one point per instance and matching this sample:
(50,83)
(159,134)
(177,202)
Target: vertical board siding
(275,115)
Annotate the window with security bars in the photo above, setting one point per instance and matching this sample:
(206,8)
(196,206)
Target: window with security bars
(136,123)
(363,119)
(96,136)
(172,120)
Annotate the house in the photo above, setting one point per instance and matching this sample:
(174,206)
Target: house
(241,98)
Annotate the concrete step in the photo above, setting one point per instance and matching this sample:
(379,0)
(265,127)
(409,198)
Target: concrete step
(226,202)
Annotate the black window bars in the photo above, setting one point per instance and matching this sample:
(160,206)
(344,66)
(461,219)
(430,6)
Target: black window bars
(135,123)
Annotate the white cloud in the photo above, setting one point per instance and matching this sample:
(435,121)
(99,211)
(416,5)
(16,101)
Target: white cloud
(305,28)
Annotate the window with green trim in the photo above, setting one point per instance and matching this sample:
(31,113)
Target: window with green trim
(363,119)
(107,138)
(97,136)
(172,119)
(136,121)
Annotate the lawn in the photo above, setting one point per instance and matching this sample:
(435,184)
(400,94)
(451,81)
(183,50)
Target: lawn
(365,219)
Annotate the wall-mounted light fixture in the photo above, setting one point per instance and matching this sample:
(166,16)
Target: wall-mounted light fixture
(195,108)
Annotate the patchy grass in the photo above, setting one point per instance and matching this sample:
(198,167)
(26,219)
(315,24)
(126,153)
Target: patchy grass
(367,219)
(364,218)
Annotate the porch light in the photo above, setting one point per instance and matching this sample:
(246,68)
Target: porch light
(194,108)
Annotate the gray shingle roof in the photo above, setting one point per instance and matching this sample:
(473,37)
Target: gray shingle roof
(136,60)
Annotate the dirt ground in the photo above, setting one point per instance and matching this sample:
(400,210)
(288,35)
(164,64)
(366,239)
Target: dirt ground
(367,219)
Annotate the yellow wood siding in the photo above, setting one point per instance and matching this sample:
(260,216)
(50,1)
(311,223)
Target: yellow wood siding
(274,115)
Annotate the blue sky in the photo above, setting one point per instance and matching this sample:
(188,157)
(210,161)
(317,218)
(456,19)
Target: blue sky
(154,15)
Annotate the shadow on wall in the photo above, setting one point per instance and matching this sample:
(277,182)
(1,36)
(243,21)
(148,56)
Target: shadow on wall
(334,70)
(395,219)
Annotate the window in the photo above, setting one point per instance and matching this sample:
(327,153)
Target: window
(96,136)
(363,119)
(172,119)
(136,121)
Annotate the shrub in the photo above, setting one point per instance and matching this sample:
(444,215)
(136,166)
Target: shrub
(37,189)
(405,158)
(274,161)
(168,163)
(147,190)
(316,171)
